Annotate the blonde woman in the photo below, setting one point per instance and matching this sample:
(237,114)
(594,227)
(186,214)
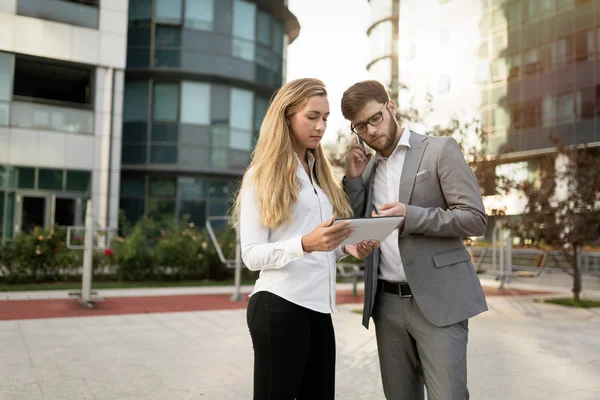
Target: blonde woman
(287,203)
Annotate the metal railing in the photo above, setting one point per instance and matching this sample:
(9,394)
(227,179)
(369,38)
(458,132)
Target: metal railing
(237,261)
(527,260)
(54,118)
(80,13)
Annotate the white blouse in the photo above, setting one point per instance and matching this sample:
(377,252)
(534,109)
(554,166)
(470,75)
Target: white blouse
(305,279)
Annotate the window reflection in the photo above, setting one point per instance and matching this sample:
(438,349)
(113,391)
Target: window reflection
(199,14)
(166,99)
(168,11)
(195,103)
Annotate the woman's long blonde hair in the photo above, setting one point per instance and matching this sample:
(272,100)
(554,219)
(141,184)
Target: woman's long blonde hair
(274,164)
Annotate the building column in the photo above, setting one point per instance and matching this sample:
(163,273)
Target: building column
(115,149)
(103,125)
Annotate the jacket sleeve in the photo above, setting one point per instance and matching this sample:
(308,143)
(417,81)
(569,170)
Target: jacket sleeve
(465,215)
(257,252)
(355,189)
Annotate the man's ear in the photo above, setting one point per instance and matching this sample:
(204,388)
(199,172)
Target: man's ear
(392,106)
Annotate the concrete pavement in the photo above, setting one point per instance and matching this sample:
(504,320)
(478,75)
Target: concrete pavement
(520,349)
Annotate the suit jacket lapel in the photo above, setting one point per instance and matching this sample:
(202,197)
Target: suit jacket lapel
(412,160)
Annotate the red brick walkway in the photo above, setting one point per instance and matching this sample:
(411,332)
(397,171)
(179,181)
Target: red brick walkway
(33,309)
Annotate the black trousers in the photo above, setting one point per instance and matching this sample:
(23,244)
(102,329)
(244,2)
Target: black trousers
(294,350)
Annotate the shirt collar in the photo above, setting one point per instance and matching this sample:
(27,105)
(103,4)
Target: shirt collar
(404,141)
(309,156)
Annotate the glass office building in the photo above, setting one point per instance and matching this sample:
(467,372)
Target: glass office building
(526,69)
(61,90)
(199,77)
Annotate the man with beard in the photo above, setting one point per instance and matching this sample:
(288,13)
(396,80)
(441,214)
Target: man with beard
(420,285)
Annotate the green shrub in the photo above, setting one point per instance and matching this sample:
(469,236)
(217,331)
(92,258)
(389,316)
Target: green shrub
(151,250)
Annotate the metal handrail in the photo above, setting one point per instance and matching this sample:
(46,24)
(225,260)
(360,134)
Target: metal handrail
(237,262)
(214,239)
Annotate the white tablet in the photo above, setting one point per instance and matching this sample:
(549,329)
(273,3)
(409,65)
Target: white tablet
(375,228)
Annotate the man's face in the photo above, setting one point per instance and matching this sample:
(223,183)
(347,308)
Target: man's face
(380,137)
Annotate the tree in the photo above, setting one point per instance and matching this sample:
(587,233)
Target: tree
(563,206)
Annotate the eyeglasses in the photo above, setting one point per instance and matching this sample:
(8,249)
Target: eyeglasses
(374,120)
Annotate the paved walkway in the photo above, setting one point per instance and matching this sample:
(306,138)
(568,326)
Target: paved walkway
(520,349)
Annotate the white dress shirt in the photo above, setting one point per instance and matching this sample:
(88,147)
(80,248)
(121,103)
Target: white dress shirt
(386,189)
(306,279)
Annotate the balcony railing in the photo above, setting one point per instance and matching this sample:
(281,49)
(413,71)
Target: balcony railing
(69,12)
(53,118)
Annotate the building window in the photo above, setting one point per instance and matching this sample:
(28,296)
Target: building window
(240,109)
(52,82)
(67,90)
(162,187)
(50,179)
(26,178)
(6,73)
(168,11)
(582,46)
(140,10)
(133,194)
(559,52)
(277,36)
(135,103)
(548,111)
(588,103)
(163,154)
(219,104)
(133,187)
(515,16)
(263,29)
(526,115)
(167,43)
(547,6)
(192,199)
(568,107)
(261,105)
(514,66)
(219,136)
(195,103)
(166,99)
(244,29)
(498,18)
(78,181)
(218,158)
(500,118)
(199,14)
(167,36)
(164,133)
(531,61)
(564,4)
(241,116)
(532,9)
(498,68)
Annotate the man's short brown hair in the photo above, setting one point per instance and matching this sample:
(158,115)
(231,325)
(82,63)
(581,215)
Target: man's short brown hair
(359,94)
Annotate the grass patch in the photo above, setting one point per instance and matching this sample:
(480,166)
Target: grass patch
(572,303)
(357,311)
(4,287)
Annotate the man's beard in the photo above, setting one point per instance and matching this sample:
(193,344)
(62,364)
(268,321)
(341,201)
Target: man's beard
(391,138)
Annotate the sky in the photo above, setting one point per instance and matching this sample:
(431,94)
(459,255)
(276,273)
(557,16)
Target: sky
(332,46)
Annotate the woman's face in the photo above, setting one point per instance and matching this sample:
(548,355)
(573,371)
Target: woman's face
(308,125)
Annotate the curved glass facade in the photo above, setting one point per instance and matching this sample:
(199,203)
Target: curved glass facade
(383,38)
(199,77)
(225,38)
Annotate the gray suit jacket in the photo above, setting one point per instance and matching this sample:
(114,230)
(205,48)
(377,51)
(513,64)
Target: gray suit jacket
(443,205)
